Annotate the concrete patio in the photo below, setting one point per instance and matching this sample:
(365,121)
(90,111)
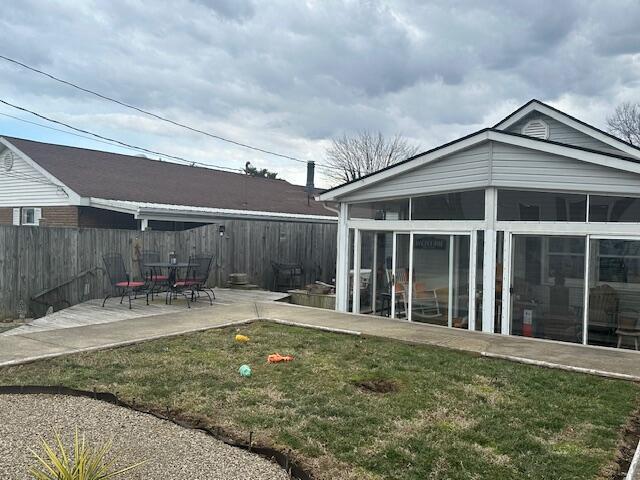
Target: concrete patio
(59,335)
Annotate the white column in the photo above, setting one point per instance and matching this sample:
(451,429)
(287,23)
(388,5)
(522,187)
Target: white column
(144,224)
(409,312)
(473,253)
(356,271)
(342,261)
(374,273)
(505,323)
(585,300)
(489,263)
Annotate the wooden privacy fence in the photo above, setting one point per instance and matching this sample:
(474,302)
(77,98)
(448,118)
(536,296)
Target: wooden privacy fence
(69,260)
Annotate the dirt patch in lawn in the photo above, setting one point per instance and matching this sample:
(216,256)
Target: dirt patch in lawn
(381,385)
(626,449)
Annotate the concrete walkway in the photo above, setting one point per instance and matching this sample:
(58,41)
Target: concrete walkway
(25,347)
(92,312)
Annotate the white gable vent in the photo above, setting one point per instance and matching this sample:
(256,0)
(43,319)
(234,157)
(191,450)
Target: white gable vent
(7,158)
(536,128)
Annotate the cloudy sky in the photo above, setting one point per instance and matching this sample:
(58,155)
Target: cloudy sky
(290,75)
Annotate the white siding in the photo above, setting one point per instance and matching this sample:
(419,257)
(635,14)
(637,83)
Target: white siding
(559,132)
(23,185)
(460,171)
(502,165)
(519,167)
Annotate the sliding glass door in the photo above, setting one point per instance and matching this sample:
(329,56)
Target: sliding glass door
(614,293)
(421,277)
(440,273)
(547,287)
(400,275)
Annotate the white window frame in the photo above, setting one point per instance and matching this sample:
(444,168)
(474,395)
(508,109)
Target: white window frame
(36,216)
(490,225)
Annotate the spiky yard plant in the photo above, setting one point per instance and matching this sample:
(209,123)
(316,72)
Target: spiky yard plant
(86,463)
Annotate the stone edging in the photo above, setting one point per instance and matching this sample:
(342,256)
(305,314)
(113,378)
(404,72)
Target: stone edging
(295,471)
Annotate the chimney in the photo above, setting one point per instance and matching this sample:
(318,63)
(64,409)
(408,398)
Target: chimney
(311,167)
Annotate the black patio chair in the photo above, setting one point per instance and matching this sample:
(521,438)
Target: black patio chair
(195,280)
(152,275)
(121,281)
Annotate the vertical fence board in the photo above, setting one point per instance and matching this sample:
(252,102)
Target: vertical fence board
(34,259)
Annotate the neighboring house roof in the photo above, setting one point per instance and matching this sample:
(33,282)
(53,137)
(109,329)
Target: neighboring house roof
(627,159)
(111,176)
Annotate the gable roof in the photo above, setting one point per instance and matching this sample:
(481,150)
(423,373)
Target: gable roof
(569,120)
(628,159)
(621,162)
(94,173)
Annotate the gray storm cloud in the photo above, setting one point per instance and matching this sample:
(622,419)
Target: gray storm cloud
(289,76)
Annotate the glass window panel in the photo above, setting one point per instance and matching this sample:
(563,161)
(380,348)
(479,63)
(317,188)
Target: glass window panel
(614,209)
(441,280)
(384,210)
(449,206)
(28,216)
(548,287)
(401,275)
(479,278)
(497,320)
(526,206)
(614,294)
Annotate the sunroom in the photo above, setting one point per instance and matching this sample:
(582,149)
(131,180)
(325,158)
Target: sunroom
(500,232)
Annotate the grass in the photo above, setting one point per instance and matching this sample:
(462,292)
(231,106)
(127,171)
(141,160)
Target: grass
(448,415)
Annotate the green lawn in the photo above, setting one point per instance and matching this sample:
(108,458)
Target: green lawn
(453,415)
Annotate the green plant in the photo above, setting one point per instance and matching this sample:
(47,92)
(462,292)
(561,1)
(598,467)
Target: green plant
(86,463)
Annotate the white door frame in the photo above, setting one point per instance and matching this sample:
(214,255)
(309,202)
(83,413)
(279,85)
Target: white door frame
(508,276)
(473,238)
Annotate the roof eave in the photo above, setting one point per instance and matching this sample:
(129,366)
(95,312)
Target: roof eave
(409,164)
(74,198)
(185,213)
(553,148)
(537,105)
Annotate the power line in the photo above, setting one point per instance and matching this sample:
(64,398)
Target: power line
(42,125)
(108,139)
(147,112)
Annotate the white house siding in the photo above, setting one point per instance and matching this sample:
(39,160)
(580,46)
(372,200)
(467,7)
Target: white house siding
(519,167)
(24,186)
(559,132)
(463,170)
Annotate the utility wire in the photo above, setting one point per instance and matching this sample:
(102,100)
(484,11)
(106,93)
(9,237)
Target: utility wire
(124,144)
(42,125)
(147,112)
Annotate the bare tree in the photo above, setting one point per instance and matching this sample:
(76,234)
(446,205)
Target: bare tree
(625,122)
(353,157)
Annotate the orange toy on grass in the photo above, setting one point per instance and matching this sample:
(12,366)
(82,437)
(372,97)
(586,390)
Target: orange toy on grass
(277,358)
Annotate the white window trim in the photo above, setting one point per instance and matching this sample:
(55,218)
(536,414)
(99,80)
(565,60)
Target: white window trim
(36,216)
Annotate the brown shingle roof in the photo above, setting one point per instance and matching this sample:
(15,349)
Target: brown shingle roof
(93,173)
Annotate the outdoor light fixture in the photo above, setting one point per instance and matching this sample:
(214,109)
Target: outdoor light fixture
(221,230)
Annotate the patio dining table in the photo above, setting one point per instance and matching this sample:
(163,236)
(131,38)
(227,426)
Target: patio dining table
(172,268)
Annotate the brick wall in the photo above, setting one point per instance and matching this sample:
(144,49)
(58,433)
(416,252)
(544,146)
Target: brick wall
(59,217)
(6,216)
(71,216)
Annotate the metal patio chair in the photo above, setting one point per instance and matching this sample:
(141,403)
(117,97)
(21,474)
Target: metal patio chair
(195,280)
(121,281)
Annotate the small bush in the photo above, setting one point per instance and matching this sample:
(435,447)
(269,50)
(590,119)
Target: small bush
(84,464)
